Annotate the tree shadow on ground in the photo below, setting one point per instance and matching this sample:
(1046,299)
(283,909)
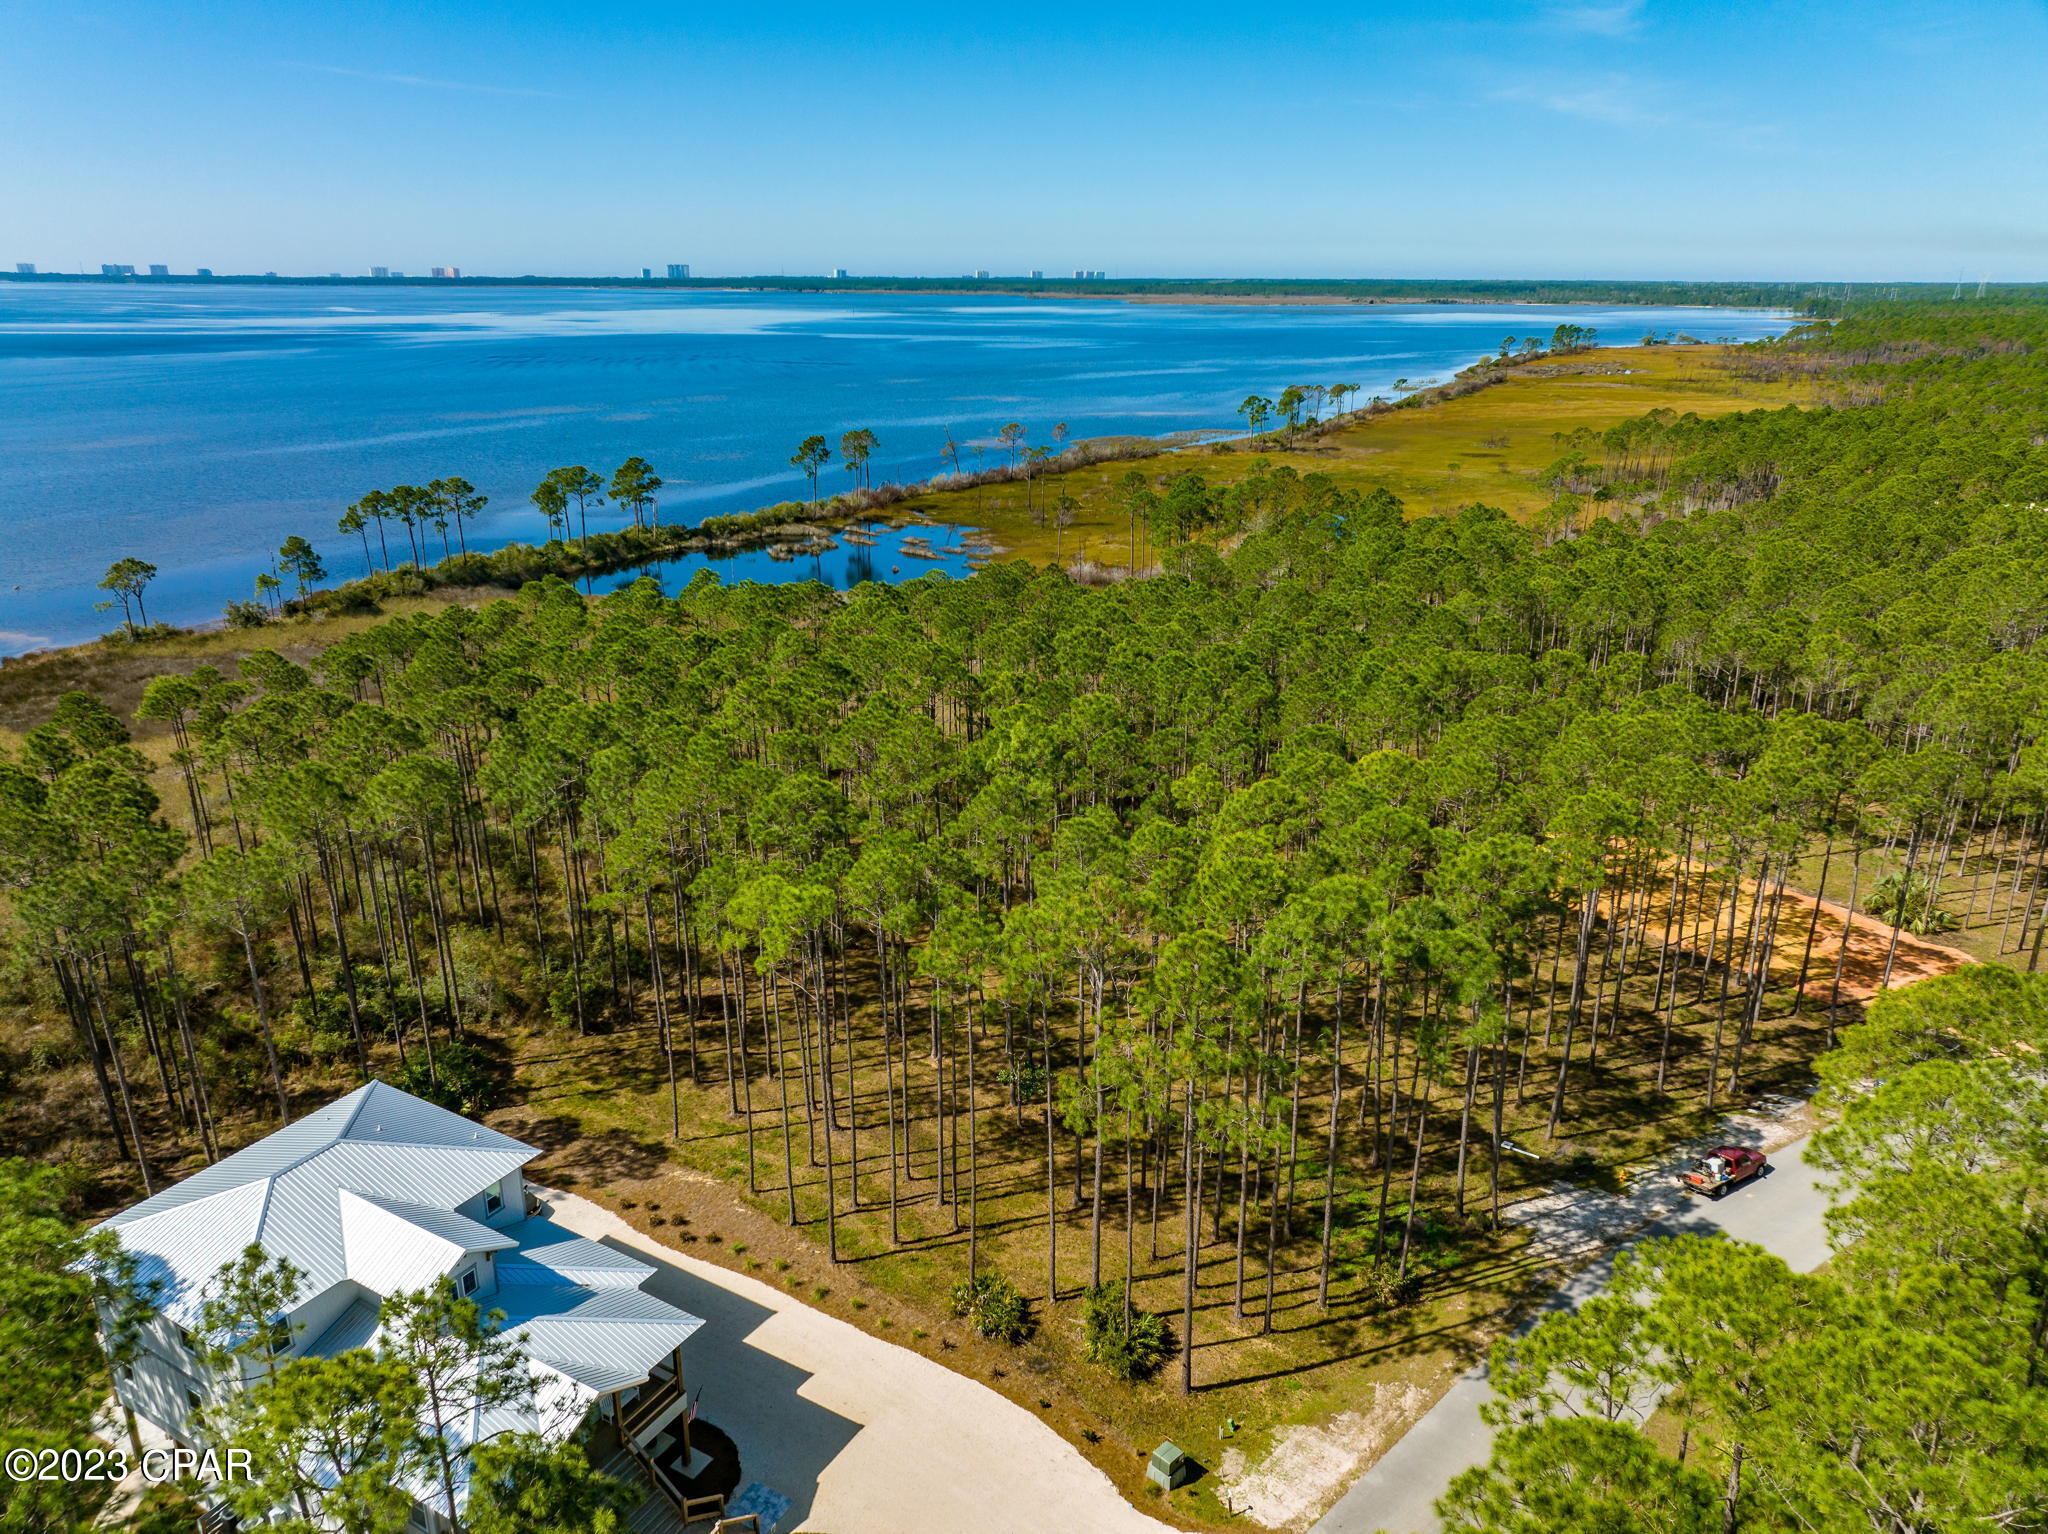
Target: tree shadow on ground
(576,1154)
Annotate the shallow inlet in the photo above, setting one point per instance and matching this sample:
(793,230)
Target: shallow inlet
(894,554)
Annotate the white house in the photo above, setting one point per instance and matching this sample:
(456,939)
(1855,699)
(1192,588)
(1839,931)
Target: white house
(381,1192)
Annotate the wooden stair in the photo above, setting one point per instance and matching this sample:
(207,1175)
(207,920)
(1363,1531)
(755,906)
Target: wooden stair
(656,1514)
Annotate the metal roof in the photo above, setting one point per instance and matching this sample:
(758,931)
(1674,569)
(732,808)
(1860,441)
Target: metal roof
(606,1339)
(354,1328)
(550,1255)
(386,1146)
(458,1230)
(365,1192)
(392,1247)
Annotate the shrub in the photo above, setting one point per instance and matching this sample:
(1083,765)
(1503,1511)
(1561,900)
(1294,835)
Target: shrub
(1909,903)
(140,633)
(246,615)
(353,598)
(993,1307)
(1381,1287)
(1026,1081)
(1132,1345)
(322,1016)
(464,1078)
(561,999)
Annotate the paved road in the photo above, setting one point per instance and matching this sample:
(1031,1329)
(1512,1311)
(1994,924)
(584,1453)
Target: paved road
(1782,1212)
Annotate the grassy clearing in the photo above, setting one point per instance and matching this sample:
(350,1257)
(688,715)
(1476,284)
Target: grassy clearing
(1488,446)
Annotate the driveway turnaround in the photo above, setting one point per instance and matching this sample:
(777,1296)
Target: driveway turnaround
(1783,1211)
(862,1436)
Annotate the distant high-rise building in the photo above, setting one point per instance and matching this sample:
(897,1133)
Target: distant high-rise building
(1080,276)
(838,271)
(646,274)
(979,275)
(397,273)
(109,269)
(204,271)
(678,270)
(1036,276)
(447,271)
(25,268)
(158,269)
(380,271)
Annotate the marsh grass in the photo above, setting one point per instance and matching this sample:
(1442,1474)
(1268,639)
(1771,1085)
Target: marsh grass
(1489,446)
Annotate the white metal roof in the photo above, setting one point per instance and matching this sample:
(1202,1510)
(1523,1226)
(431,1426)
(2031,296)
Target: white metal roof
(605,1339)
(365,1192)
(354,1328)
(603,1331)
(392,1246)
(284,1192)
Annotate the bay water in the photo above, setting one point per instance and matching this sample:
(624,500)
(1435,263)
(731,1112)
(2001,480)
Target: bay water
(197,427)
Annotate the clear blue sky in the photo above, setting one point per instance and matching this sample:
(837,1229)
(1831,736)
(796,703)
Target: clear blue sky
(1863,139)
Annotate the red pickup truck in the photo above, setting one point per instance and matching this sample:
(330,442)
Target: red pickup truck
(1721,1169)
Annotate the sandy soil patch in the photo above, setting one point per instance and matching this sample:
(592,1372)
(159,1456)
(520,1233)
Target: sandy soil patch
(1863,966)
(1918,958)
(1308,1465)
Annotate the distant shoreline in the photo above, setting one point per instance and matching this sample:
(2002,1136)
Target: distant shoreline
(1229,291)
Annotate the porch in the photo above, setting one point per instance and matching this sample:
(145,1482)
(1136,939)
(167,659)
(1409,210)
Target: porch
(649,1437)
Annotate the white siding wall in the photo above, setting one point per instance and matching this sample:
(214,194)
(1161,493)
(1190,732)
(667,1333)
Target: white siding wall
(486,1267)
(322,1311)
(154,1385)
(512,1190)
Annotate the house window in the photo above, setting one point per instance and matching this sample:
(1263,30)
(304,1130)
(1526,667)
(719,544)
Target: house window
(186,1340)
(192,1400)
(468,1281)
(494,1198)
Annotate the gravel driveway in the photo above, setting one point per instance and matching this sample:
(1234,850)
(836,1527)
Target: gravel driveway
(863,1436)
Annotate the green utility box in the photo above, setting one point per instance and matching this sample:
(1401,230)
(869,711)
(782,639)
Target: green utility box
(1169,1467)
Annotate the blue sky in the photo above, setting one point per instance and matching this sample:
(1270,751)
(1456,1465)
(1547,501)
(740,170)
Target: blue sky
(1855,141)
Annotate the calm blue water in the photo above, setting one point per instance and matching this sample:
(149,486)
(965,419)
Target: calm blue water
(197,428)
(845,567)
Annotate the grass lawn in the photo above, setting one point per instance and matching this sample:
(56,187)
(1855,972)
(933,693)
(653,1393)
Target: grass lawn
(1488,446)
